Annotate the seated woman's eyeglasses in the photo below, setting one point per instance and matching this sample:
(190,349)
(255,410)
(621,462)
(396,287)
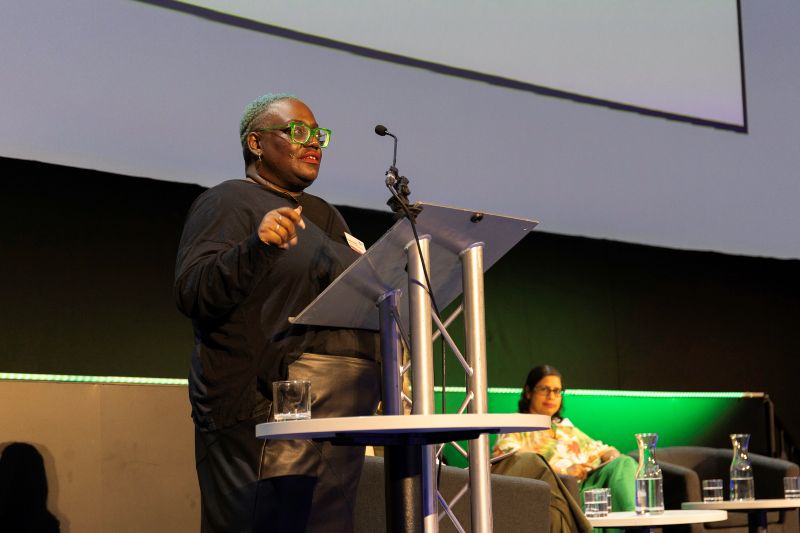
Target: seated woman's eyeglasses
(300,133)
(544,390)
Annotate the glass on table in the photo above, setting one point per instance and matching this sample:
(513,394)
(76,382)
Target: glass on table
(608,498)
(712,490)
(791,488)
(595,503)
(291,400)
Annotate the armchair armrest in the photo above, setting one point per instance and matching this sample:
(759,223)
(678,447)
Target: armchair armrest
(768,473)
(681,484)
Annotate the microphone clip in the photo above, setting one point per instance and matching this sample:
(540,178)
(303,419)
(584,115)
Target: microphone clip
(399,202)
(391,176)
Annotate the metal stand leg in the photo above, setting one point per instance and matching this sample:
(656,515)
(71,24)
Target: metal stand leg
(391,355)
(402,470)
(423,386)
(475,326)
(403,485)
(419,304)
(757,521)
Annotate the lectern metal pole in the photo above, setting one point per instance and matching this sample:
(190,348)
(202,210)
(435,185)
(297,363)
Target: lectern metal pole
(401,463)
(391,354)
(419,305)
(475,330)
(419,310)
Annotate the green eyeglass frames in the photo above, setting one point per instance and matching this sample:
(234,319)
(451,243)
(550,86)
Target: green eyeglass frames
(300,133)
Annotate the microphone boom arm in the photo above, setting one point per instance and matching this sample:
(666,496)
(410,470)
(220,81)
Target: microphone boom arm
(398,185)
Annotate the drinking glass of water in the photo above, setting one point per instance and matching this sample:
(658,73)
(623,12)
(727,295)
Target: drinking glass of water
(608,498)
(595,503)
(291,400)
(791,488)
(712,490)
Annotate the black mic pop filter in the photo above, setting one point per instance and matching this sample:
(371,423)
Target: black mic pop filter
(381,130)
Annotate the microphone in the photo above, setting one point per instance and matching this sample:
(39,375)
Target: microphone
(383,131)
(397,185)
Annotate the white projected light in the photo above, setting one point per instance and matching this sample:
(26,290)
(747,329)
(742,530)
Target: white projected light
(676,57)
(591,116)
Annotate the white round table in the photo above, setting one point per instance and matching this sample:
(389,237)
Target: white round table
(631,520)
(401,429)
(756,509)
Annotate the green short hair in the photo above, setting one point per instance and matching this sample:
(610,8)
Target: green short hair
(256,108)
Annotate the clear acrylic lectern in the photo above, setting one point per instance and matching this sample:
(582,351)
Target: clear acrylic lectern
(457,246)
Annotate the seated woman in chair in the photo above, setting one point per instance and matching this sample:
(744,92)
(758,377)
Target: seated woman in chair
(566,448)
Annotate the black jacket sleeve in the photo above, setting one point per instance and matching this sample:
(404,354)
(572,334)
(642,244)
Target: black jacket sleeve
(220,257)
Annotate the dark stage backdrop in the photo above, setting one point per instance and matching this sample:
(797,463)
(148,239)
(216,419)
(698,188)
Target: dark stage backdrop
(86,281)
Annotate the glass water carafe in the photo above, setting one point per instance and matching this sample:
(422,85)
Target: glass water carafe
(649,481)
(742,486)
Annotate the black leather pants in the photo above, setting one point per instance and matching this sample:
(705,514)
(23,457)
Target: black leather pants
(304,485)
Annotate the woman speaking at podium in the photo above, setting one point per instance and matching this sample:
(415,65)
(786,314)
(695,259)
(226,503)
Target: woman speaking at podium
(255,251)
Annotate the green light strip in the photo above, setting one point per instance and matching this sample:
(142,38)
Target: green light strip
(117,380)
(619,393)
(654,394)
(125,380)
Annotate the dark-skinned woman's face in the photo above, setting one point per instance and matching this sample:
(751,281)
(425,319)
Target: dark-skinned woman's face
(290,166)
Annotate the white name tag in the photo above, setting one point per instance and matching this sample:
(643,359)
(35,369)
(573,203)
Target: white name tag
(355,244)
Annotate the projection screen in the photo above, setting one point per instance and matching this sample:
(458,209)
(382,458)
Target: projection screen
(678,58)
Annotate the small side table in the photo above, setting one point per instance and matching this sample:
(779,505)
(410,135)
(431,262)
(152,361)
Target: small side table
(387,430)
(646,522)
(410,430)
(756,510)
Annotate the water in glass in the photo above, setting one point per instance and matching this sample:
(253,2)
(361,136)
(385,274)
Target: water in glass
(595,503)
(742,489)
(791,487)
(712,490)
(282,417)
(650,496)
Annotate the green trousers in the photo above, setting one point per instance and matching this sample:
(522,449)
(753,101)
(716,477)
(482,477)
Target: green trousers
(619,475)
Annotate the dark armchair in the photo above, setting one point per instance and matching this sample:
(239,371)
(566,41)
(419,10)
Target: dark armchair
(684,467)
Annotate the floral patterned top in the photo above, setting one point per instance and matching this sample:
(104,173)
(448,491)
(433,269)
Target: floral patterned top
(563,446)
